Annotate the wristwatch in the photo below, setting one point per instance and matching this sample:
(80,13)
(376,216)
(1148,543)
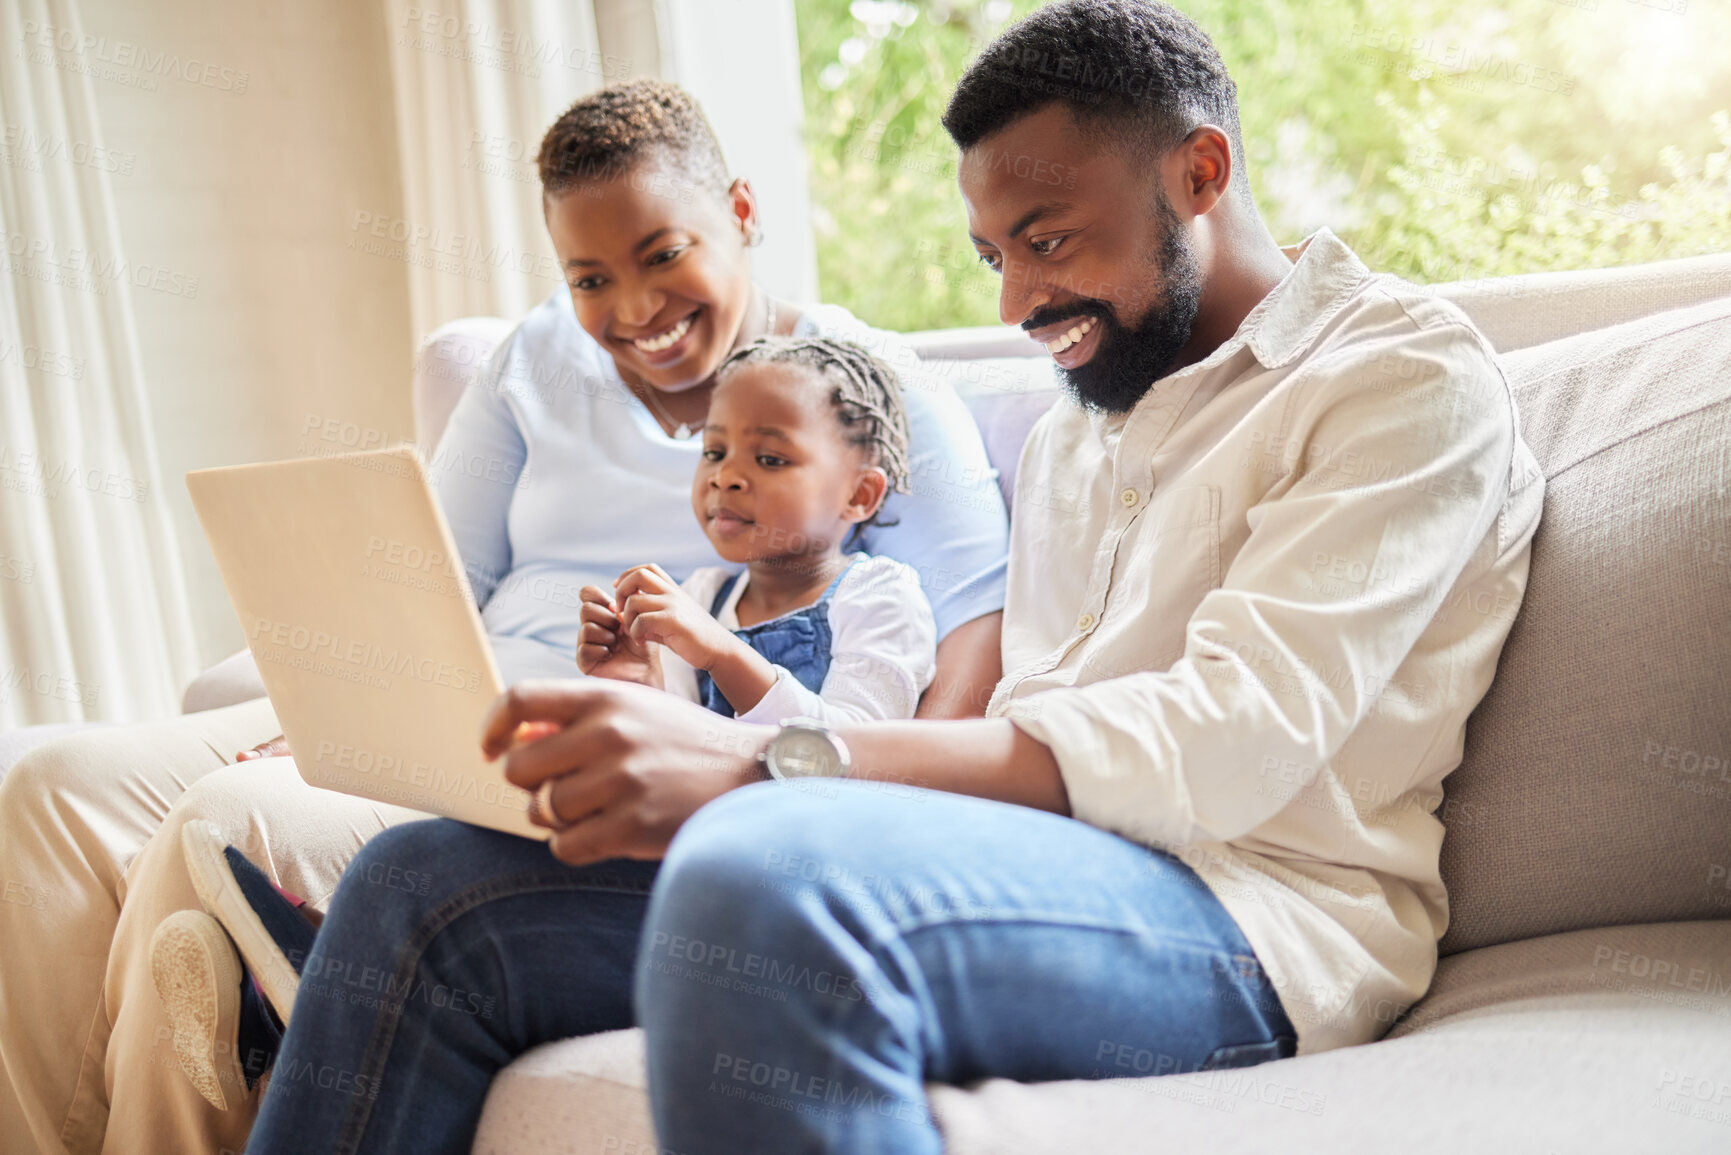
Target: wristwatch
(805,748)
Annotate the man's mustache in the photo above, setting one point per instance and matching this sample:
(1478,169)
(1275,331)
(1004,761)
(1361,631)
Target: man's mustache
(1073,311)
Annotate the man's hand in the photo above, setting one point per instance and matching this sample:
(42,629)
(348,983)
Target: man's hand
(605,650)
(652,608)
(276,748)
(621,767)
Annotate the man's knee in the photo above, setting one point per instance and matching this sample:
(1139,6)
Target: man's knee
(743,861)
(743,829)
(734,909)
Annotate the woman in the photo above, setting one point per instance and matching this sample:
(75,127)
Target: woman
(565,467)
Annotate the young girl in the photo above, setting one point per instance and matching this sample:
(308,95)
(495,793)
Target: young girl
(803,441)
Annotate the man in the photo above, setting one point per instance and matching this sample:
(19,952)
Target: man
(1264,557)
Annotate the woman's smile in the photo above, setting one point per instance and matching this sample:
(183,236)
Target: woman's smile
(668,344)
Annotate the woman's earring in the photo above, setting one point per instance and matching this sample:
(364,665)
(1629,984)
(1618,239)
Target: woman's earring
(755,238)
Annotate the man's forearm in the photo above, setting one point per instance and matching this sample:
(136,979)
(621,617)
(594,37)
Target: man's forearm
(985,757)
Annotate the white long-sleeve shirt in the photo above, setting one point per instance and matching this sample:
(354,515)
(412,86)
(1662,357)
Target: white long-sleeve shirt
(883,648)
(1251,616)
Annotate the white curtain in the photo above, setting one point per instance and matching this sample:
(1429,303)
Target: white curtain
(477,83)
(93,615)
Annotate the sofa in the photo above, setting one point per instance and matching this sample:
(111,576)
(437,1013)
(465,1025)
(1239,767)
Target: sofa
(1582,1000)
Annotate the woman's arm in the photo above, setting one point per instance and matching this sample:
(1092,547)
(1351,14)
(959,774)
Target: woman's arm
(970,662)
(474,471)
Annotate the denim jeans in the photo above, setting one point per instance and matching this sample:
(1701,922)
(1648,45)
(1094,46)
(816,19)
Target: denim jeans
(803,961)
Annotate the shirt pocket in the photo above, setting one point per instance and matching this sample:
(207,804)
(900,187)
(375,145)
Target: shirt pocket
(1168,560)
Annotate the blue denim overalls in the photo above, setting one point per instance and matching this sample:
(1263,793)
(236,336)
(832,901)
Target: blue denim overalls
(797,641)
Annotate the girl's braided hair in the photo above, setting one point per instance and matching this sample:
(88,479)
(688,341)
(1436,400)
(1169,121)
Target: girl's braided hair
(866,395)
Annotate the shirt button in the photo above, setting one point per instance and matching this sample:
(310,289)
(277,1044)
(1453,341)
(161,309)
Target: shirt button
(1129,497)
(1083,622)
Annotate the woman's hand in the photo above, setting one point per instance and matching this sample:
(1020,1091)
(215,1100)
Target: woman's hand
(276,748)
(605,650)
(653,609)
(621,767)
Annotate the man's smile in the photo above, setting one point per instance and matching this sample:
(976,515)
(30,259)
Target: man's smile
(1071,342)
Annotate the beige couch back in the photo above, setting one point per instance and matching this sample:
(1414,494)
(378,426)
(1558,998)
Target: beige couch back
(1596,786)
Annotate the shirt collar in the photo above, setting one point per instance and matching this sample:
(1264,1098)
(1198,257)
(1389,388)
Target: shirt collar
(1325,275)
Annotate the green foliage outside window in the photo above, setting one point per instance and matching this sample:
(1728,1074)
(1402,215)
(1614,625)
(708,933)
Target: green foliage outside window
(1442,139)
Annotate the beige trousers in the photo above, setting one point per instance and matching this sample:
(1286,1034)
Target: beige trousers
(90,864)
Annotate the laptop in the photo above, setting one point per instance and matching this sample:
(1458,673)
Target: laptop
(357,611)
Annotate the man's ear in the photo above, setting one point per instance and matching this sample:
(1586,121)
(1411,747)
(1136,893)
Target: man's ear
(742,204)
(1207,160)
(869,491)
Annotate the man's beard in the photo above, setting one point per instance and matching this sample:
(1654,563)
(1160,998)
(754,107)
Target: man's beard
(1129,360)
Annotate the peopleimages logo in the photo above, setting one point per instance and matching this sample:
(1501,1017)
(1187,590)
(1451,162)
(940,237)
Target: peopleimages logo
(503,47)
(47,685)
(125,54)
(25,143)
(377,233)
(40,257)
(367,661)
(30,471)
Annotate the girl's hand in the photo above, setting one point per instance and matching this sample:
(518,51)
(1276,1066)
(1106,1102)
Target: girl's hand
(604,650)
(653,609)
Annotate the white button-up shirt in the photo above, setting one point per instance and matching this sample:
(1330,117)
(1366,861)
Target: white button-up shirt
(1251,616)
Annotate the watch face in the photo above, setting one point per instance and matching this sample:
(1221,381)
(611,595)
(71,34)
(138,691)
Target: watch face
(800,753)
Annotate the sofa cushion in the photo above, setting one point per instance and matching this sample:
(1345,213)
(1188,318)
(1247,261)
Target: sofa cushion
(583,1095)
(1686,965)
(1551,1045)
(1596,784)
(1602,1040)
(1005,396)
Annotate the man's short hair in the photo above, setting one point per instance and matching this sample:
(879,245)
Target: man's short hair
(1122,67)
(607,132)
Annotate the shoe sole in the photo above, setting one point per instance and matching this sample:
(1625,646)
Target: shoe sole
(198,978)
(202,845)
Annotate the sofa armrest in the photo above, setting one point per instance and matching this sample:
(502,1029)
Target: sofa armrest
(228,683)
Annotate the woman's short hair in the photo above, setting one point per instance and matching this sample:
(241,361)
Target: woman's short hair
(608,132)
